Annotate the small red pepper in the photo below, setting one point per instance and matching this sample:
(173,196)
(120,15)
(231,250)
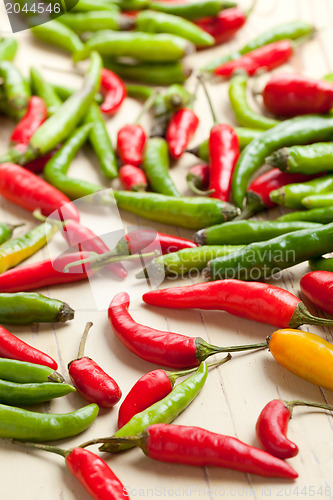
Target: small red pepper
(133,178)
(91,381)
(252,300)
(198,178)
(149,389)
(224,26)
(272,426)
(181,128)
(30,192)
(267,57)
(317,286)
(291,95)
(131,139)
(148,240)
(114,91)
(199,447)
(12,347)
(36,115)
(160,347)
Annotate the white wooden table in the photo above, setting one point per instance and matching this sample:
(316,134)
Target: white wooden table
(235,393)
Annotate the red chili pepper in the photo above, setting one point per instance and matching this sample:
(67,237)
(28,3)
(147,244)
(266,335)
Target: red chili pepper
(268,57)
(291,95)
(91,381)
(199,447)
(13,348)
(317,286)
(224,26)
(133,178)
(131,139)
(181,128)
(149,240)
(95,475)
(198,178)
(28,191)
(114,91)
(36,115)
(160,347)
(78,235)
(224,153)
(44,273)
(252,300)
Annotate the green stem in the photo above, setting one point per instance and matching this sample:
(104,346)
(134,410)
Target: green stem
(291,405)
(82,345)
(201,80)
(198,191)
(174,375)
(135,440)
(52,449)
(249,11)
(147,105)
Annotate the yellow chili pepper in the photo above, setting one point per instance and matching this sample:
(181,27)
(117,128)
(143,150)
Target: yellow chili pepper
(305,354)
(18,249)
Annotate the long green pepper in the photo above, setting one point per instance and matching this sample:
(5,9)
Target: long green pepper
(95,21)
(299,130)
(318,201)
(58,34)
(45,90)
(321,215)
(192,9)
(311,159)
(292,195)
(245,115)
(23,372)
(322,264)
(16,89)
(155,164)
(260,260)
(12,393)
(25,308)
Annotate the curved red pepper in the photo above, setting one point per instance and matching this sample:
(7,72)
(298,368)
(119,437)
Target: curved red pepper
(290,95)
(36,115)
(224,153)
(13,348)
(271,430)
(317,286)
(93,383)
(114,91)
(200,447)
(224,26)
(180,131)
(133,178)
(30,192)
(267,57)
(131,139)
(45,273)
(95,475)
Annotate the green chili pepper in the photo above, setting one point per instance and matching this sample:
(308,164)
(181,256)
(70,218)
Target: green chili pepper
(191,213)
(92,5)
(303,159)
(6,231)
(247,231)
(55,171)
(8,48)
(132,4)
(154,74)
(321,215)
(23,372)
(245,136)
(192,9)
(25,308)
(245,116)
(24,425)
(292,195)
(260,260)
(156,167)
(140,46)
(101,143)
(64,93)
(15,88)
(318,201)
(95,21)
(57,34)
(149,21)
(63,122)
(186,261)
(292,31)
(18,249)
(139,91)
(299,130)
(322,264)
(12,393)
(166,410)
(44,90)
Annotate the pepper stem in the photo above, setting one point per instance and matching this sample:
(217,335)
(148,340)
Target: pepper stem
(302,316)
(112,440)
(147,105)
(99,260)
(192,186)
(52,449)
(249,11)
(39,216)
(204,86)
(204,349)
(174,375)
(82,345)
(15,226)
(291,405)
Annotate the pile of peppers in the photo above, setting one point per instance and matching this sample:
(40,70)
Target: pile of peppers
(137,50)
